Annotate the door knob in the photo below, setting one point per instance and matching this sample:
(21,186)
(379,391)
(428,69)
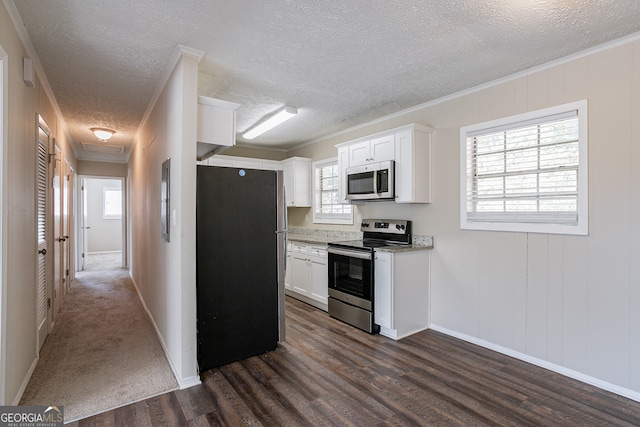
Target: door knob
(42,251)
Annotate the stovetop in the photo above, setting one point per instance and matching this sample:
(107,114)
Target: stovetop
(378,234)
(364,244)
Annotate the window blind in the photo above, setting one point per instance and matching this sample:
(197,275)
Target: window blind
(326,204)
(526,171)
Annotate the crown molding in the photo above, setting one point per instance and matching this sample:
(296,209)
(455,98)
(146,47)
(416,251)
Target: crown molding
(547,65)
(179,52)
(20,28)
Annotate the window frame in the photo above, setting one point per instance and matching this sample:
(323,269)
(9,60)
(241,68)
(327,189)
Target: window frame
(106,190)
(514,122)
(327,218)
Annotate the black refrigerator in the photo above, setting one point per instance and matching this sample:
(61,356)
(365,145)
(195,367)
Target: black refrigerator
(241,241)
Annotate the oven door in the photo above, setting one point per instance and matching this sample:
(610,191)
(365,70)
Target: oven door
(351,276)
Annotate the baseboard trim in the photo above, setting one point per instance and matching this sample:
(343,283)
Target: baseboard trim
(25,383)
(613,388)
(182,382)
(189,382)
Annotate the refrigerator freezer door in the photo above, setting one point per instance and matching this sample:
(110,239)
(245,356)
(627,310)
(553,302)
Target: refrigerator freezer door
(237,264)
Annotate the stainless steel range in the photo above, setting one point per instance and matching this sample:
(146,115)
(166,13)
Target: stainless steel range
(351,271)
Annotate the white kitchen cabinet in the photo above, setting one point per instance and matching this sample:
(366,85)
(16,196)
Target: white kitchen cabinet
(318,283)
(377,149)
(409,146)
(383,290)
(216,126)
(308,275)
(343,163)
(401,305)
(242,162)
(413,164)
(300,274)
(225,161)
(297,181)
(287,275)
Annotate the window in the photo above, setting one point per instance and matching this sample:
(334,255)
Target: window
(112,203)
(326,207)
(527,172)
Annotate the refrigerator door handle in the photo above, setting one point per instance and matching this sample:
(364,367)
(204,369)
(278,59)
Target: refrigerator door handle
(286,228)
(286,248)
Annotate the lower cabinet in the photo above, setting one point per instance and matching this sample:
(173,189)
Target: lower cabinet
(401,304)
(307,277)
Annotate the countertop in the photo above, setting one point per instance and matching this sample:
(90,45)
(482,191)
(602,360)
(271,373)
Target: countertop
(422,242)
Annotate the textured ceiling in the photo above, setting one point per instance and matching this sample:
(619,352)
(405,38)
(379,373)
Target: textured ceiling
(341,63)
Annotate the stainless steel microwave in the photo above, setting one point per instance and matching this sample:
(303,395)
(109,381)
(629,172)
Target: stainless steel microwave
(374,181)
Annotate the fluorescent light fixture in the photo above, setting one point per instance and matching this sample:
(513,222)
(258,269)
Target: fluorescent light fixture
(284,114)
(102,134)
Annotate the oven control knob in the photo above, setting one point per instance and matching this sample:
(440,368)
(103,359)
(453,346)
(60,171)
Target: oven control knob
(364,225)
(400,226)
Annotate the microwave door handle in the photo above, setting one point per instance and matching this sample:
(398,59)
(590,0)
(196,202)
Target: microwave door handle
(376,179)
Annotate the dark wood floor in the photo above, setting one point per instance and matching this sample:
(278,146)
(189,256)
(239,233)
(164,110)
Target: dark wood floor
(330,374)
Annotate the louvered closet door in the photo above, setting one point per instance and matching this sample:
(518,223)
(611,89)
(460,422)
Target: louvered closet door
(42,160)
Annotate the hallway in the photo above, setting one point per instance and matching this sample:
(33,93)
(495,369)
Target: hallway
(103,351)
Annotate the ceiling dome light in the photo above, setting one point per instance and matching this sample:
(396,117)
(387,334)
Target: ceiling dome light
(102,134)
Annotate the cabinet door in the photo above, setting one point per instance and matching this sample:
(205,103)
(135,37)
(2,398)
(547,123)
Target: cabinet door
(221,161)
(297,181)
(359,153)
(249,164)
(383,303)
(300,273)
(287,276)
(319,288)
(343,164)
(383,148)
(413,166)
(289,174)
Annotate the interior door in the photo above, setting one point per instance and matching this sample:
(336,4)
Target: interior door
(64,255)
(42,279)
(58,249)
(69,224)
(84,244)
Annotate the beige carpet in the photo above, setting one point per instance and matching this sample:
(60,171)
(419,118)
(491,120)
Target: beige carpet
(103,351)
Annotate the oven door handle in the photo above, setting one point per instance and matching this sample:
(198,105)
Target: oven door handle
(352,254)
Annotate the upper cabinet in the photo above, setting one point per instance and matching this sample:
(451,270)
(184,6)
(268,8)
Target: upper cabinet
(378,149)
(343,163)
(413,164)
(409,146)
(242,162)
(216,126)
(297,181)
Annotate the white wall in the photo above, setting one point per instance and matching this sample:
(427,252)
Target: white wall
(571,301)
(105,169)
(165,273)
(105,235)
(18,353)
